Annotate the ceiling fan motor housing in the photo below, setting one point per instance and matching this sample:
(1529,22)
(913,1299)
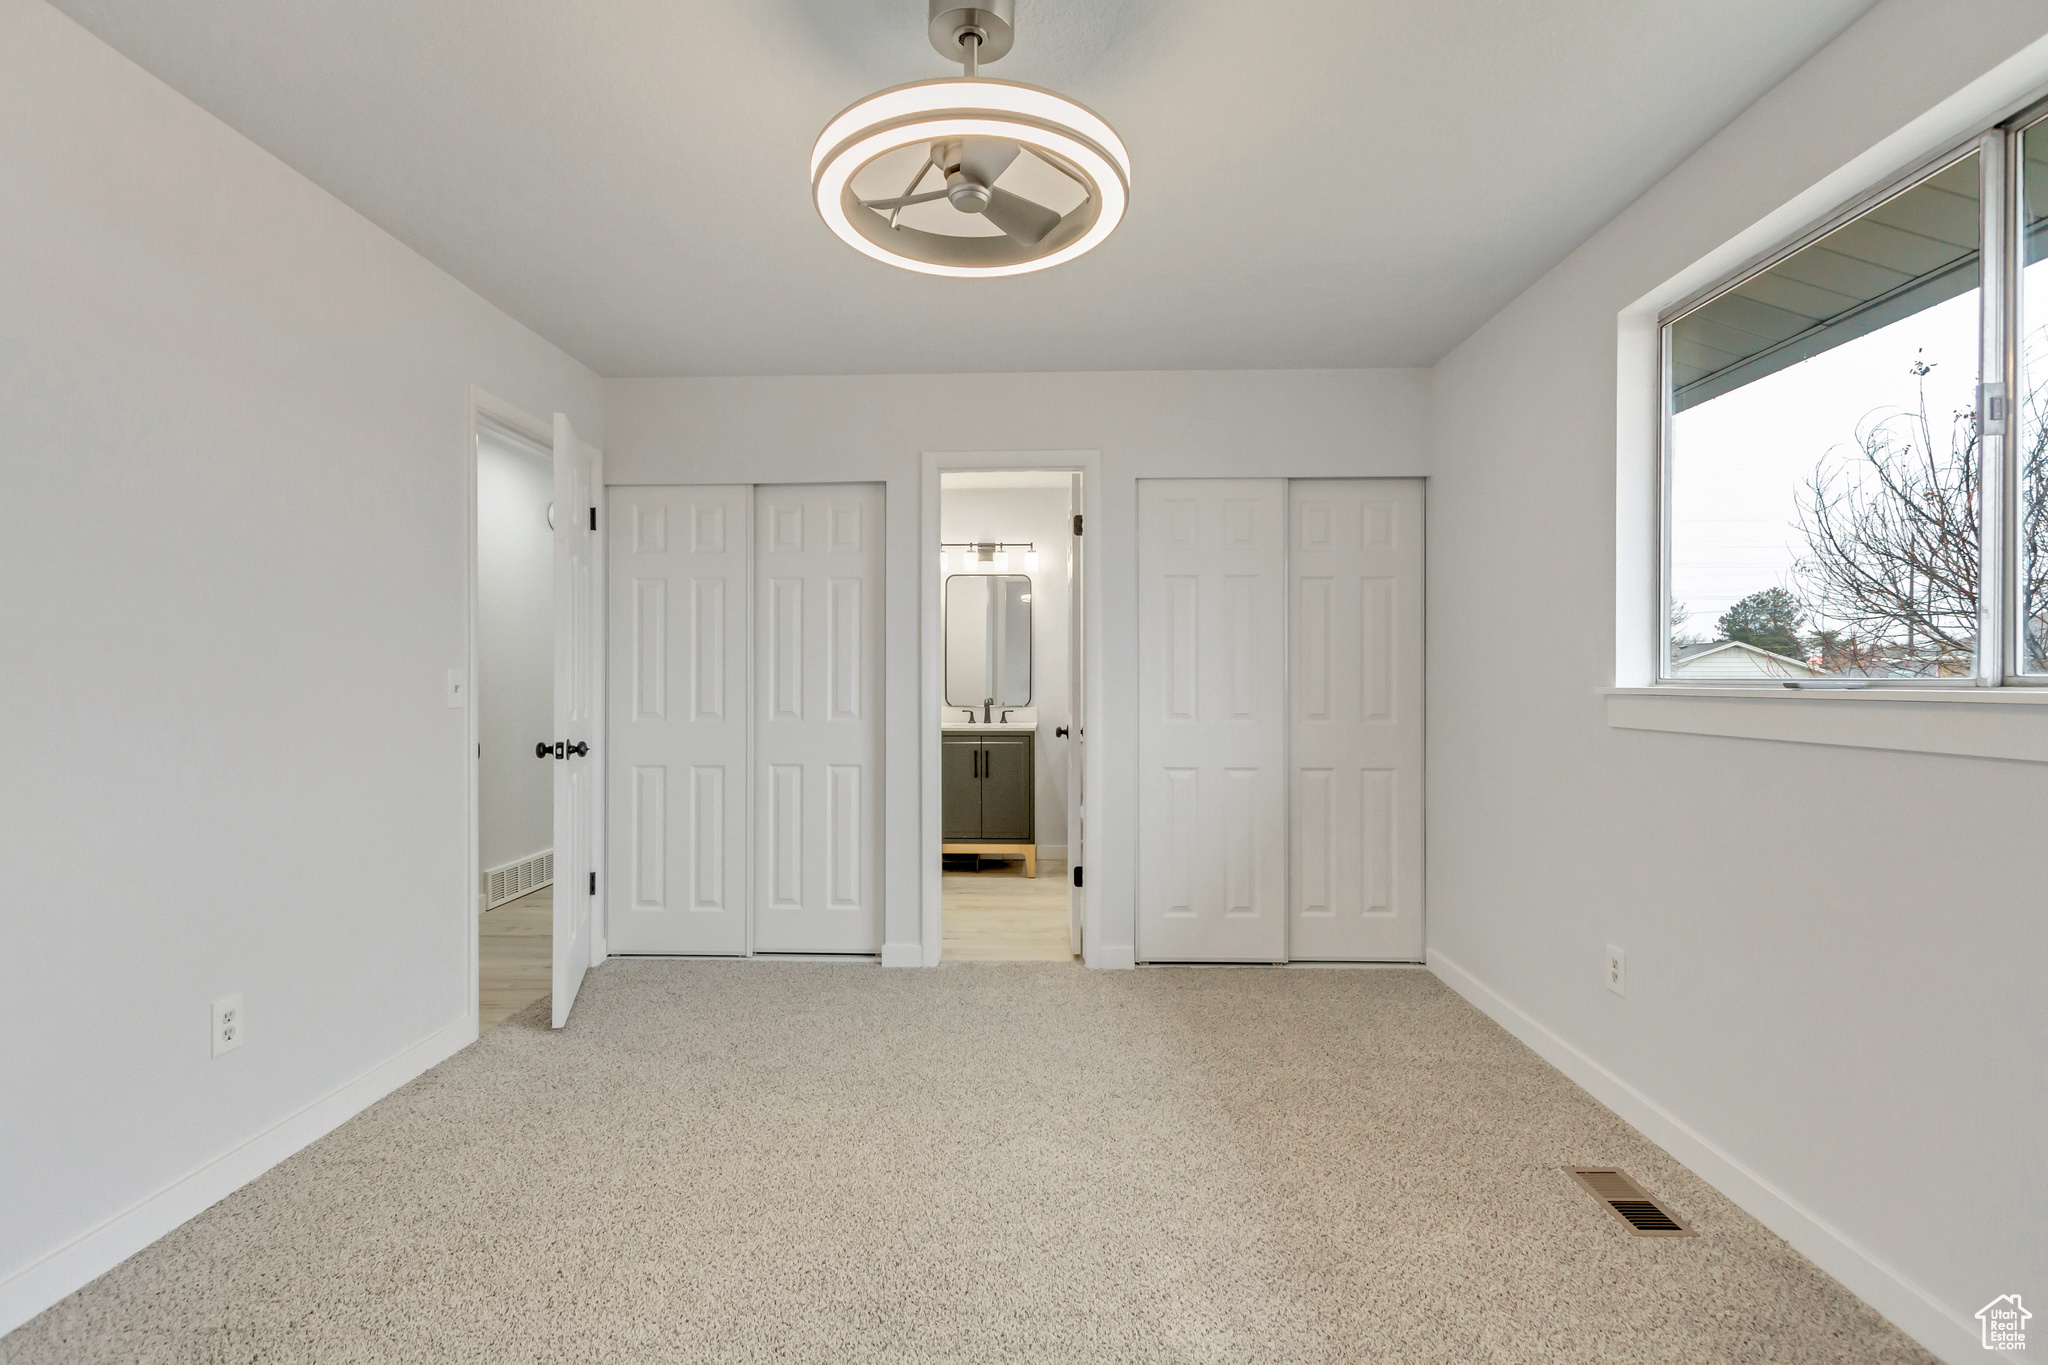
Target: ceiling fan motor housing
(992,23)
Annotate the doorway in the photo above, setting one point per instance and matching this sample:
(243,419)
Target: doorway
(1010,693)
(513,702)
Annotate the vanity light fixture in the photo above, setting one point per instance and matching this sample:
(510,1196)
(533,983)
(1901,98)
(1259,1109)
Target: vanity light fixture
(989,556)
(973,131)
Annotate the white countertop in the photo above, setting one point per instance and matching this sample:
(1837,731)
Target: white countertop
(958,727)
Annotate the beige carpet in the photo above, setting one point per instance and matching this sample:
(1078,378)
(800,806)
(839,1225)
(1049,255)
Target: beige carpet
(799,1162)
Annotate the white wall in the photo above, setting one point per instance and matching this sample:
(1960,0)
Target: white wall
(234,542)
(1039,516)
(515,651)
(1835,956)
(1302,423)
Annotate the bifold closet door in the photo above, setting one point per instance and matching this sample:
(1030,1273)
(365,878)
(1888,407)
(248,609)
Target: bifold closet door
(818,718)
(1355,571)
(1212,723)
(678,828)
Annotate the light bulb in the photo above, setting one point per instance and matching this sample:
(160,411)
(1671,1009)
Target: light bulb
(1002,562)
(1031,561)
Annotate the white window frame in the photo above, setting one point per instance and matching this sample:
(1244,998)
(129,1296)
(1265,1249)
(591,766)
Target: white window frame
(1999,231)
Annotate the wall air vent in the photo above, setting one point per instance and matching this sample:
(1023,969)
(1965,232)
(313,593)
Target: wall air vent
(514,880)
(1645,1215)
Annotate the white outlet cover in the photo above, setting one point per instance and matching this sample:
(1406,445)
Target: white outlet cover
(228,1025)
(1617,970)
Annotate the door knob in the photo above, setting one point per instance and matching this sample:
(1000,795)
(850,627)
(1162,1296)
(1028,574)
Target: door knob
(543,749)
(578,749)
(1060,733)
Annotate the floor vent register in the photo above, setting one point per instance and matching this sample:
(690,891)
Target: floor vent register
(1645,1215)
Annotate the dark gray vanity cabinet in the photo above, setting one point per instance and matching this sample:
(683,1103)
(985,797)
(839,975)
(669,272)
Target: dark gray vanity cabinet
(987,782)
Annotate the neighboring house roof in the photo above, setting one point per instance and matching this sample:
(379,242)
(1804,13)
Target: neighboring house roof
(1736,659)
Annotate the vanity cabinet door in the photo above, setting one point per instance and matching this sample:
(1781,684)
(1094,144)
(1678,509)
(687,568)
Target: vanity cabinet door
(960,783)
(1006,785)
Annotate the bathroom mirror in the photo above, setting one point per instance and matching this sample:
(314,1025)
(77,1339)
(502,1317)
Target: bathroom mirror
(988,639)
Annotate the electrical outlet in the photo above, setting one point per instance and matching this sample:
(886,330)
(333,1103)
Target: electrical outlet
(227,1024)
(1617,970)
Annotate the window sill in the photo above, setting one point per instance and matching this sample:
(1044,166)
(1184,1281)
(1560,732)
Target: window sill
(1991,722)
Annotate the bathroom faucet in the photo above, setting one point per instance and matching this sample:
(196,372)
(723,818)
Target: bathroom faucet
(987,705)
(970,714)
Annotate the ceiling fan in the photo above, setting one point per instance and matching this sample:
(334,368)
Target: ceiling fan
(971,130)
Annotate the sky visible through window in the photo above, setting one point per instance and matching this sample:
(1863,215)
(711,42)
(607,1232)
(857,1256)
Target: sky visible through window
(1741,462)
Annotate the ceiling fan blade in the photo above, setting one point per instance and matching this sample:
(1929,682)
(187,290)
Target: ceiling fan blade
(984,159)
(904,202)
(1019,218)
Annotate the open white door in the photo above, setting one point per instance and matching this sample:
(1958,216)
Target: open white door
(578,735)
(1077,733)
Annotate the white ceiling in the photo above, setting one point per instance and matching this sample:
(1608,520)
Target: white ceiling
(1319,184)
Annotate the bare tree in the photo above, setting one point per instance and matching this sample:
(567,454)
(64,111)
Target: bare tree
(2030,428)
(1892,537)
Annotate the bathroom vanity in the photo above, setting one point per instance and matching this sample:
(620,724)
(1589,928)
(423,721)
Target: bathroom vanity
(988,776)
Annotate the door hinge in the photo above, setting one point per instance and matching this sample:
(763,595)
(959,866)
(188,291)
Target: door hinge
(1077,523)
(593,883)
(593,518)
(1077,874)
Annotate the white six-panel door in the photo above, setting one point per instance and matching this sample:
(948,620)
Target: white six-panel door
(818,718)
(1212,720)
(1355,584)
(679,727)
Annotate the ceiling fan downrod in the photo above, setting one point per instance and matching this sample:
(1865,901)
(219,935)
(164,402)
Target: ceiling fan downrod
(972,34)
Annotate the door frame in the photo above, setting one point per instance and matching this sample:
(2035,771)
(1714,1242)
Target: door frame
(931,666)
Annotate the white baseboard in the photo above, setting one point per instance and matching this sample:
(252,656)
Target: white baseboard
(1949,1335)
(41,1283)
(1112,956)
(1053,852)
(902,954)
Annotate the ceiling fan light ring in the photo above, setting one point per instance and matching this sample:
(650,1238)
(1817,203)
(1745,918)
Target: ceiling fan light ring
(1081,230)
(982,97)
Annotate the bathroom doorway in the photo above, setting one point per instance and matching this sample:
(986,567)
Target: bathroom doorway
(1010,738)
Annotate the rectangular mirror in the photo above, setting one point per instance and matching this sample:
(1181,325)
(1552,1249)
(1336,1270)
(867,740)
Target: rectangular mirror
(988,639)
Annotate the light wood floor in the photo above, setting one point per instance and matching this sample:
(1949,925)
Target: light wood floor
(515,956)
(1000,915)
(995,915)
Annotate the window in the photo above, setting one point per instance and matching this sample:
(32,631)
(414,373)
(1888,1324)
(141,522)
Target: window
(1840,487)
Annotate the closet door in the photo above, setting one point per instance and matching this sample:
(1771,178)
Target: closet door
(1212,725)
(678,836)
(818,718)
(1355,565)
